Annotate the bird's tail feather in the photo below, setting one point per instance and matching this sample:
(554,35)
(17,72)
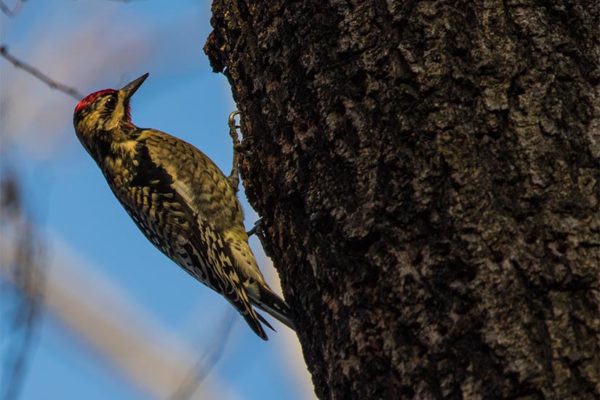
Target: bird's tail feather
(274,305)
(243,305)
(253,318)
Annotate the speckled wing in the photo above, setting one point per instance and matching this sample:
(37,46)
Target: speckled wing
(198,180)
(209,194)
(172,193)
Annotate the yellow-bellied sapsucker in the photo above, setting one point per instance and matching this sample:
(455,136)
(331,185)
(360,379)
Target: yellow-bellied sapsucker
(179,199)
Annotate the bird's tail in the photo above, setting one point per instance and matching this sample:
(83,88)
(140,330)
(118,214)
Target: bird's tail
(254,319)
(272,304)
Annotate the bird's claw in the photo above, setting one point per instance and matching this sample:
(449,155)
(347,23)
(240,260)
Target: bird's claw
(256,228)
(237,147)
(233,127)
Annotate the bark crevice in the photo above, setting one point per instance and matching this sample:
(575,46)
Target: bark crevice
(428,177)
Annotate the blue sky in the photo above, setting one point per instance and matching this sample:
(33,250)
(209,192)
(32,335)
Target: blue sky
(92,45)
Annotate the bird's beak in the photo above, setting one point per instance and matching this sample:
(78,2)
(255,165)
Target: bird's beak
(134,85)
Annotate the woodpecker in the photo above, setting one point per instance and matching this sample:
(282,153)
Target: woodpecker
(179,199)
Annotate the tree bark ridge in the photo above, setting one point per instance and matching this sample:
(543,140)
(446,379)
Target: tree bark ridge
(428,178)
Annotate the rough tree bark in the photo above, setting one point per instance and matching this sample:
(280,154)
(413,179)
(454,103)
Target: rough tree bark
(428,177)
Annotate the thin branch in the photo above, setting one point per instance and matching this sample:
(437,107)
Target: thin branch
(207,362)
(38,74)
(25,272)
(11,12)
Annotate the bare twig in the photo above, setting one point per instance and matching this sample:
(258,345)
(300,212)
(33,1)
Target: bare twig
(21,317)
(11,12)
(207,362)
(38,74)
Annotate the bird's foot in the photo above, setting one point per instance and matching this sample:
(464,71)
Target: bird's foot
(256,229)
(233,178)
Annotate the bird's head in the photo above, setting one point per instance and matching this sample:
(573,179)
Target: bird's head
(101,112)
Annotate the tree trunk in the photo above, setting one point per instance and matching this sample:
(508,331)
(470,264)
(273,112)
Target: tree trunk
(428,177)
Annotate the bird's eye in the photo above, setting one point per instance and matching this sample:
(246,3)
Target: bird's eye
(110,102)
